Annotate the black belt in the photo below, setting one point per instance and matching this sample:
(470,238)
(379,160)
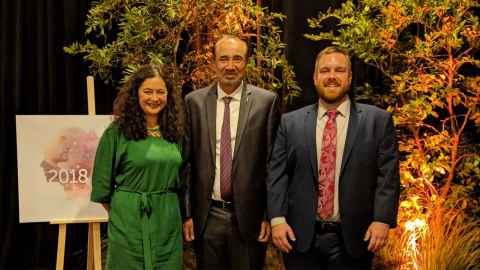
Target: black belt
(327,227)
(223,205)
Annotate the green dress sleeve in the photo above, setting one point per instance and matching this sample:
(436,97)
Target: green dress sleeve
(103,176)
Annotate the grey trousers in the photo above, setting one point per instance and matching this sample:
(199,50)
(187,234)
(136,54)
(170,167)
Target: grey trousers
(222,247)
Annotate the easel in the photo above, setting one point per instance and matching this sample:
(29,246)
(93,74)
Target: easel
(94,248)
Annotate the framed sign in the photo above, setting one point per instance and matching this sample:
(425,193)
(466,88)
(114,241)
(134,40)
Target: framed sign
(55,155)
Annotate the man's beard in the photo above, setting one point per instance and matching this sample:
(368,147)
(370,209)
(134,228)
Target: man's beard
(335,99)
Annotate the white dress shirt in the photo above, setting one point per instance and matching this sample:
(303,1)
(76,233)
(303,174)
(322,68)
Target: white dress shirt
(234,114)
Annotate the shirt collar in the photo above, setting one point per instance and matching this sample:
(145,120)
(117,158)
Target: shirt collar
(236,95)
(342,109)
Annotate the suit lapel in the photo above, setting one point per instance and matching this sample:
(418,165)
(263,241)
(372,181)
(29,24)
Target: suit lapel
(246,103)
(211,115)
(353,125)
(310,136)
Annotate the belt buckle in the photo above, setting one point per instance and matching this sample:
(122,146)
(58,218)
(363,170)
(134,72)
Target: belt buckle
(327,225)
(226,205)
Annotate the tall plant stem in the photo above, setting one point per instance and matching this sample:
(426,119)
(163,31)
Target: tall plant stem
(456,134)
(259,4)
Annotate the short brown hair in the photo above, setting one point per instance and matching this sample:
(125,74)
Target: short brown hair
(333,49)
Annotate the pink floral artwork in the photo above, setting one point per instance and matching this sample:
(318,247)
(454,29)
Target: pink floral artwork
(68,160)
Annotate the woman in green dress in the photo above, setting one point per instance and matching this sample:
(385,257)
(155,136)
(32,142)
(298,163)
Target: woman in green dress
(135,174)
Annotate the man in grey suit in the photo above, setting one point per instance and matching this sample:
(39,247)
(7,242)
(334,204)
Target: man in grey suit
(333,183)
(230,130)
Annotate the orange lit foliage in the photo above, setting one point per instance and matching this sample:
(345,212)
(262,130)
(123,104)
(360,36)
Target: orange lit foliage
(181,34)
(426,52)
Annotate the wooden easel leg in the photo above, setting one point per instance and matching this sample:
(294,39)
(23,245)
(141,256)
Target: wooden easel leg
(94,254)
(62,233)
(90,247)
(97,246)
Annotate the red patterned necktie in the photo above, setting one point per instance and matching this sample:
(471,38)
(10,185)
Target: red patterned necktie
(326,175)
(226,154)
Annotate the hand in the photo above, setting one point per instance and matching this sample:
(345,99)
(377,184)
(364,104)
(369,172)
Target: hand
(377,233)
(264,232)
(281,233)
(188,230)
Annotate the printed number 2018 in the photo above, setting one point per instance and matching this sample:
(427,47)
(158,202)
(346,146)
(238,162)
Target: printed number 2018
(70,176)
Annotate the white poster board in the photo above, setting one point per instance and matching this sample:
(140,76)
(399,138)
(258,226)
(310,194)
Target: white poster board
(55,155)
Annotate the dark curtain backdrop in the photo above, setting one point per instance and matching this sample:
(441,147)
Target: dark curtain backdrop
(37,78)
(301,52)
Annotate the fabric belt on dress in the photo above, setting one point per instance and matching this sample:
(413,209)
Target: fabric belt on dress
(145,211)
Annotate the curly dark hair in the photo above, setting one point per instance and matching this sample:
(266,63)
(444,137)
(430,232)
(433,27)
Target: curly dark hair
(129,116)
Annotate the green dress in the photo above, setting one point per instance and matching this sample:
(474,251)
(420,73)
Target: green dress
(139,179)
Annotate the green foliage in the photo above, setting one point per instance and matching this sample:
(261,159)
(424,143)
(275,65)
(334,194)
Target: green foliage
(420,47)
(181,34)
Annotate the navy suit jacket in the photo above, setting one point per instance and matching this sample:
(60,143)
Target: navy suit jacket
(369,180)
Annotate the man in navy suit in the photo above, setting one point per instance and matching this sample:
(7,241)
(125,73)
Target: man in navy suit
(333,182)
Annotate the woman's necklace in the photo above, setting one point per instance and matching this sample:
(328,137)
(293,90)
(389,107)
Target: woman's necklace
(154,132)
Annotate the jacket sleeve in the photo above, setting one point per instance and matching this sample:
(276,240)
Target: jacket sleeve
(277,181)
(185,169)
(388,179)
(273,121)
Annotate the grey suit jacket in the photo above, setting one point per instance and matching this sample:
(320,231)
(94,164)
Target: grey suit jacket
(369,180)
(257,123)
